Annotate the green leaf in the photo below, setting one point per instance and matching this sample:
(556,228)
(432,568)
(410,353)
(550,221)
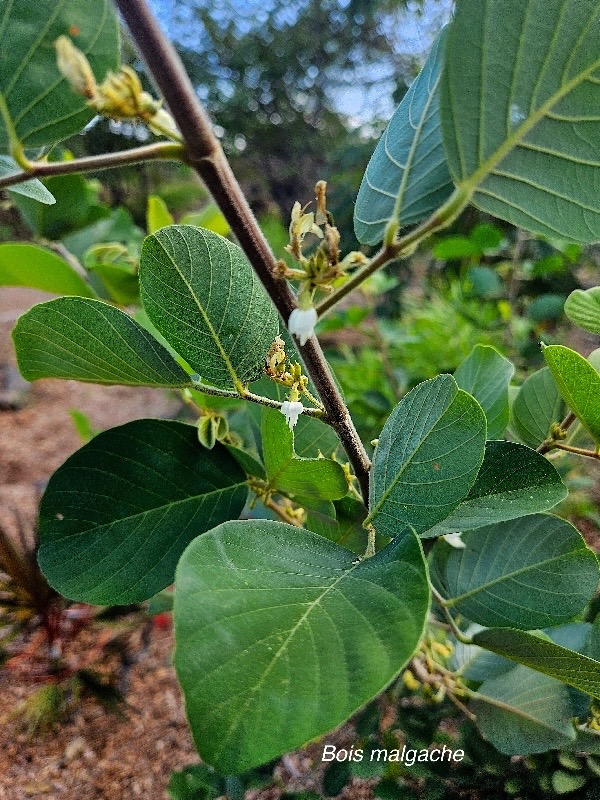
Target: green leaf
(157,214)
(453,248)
(520,93)
(119,512)
(583,308)
(543,655)
(33,188)
(522,712)
(407,177)
(579,384)
(546,307)
(121,283)
(427,458)
(531,572)
(201,293)
(43,107)
(38,268)
(304,477)
(210,218)
(513,481)
(485,374)
(86,340)
(537,405)
(75,203)
(281,635)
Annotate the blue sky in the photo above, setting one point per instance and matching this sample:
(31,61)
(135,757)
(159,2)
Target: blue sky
(414,36)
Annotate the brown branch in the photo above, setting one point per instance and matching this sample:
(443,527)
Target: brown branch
(204,153)
(44,169)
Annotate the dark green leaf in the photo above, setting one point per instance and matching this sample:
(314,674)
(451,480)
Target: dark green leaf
(38,268)
(519,97)
(543,655)
(119,512)
(531,572)
(485,374)
(546,307)
(86,340)
(33,188)
(583,308)
(42,105)
(201,293)
(427,457)
(304,477)
(407,177)
(537,405)
(578,383)
(513,481)
(282,635)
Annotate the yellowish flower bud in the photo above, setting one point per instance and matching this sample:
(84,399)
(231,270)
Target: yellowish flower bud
(75,67)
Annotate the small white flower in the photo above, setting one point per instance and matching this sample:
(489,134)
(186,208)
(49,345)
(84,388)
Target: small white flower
(302,323)
(291,410)
(454,540)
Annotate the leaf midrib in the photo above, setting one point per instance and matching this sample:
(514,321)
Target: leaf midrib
(284,645)
(471,183)
(203,313)
(510,575)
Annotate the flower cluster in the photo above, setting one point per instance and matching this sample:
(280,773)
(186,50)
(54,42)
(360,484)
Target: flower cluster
(120,96)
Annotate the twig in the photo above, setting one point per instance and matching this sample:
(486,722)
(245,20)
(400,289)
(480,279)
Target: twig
(204,153)
(160,151)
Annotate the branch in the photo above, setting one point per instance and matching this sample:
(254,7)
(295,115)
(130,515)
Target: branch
(44,169)
(204,153)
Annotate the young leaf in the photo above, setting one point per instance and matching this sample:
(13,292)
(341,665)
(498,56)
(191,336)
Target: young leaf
(531,572)
(578,383)
(513,481)
(539,653)
(407,177)
(537,405)
(282,635)
(485,374)
(120,511)
(583,308)
(34,189)
(157,214)
(38,268)
(427,458)
(522,712)
(43,107)
(201,293)
(520,93)
(86,340)
(304,477)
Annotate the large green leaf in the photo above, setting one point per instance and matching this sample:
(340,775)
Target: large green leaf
(537,405)
(201,293)
(43,107)
(303,477)
(536,651)
(119,512)
(76,338)
(33,188)
(520,94)
(281,635)
(485,374)
(579,384)
(522,712)
(532,572)
(513,481)
(38,268)
(427,458)
(407,177)
(583,308)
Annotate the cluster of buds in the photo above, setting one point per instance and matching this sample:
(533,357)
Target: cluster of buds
(321,268)
(120,96)
(280,370)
